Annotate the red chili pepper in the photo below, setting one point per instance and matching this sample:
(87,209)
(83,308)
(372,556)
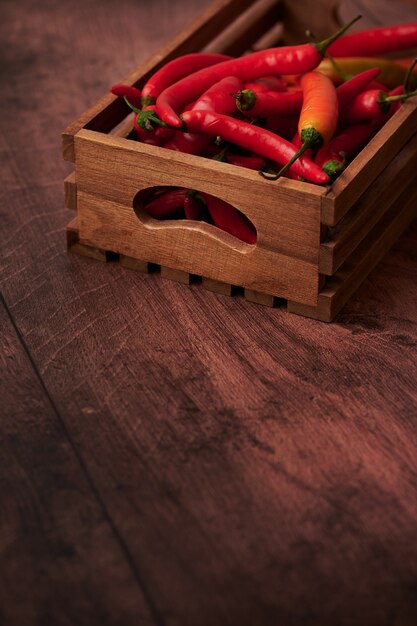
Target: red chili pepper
(175,70)
(251,162)
(269,103)
(347,91)
(283,125)
(218,98)
(334,156)
(132,94)
(296,140)
(319,115)
(229,219)
(376,41)
(267,83)
(166,204)
(281,60)
(253,138)
(374,103)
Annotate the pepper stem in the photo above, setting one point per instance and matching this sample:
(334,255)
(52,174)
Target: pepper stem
(131,106)
(323,45)
(384,99)
(221,156)
(147,100)
(408,75)
(148,117)
(245,99)
(282,171)
(311,138)
(332,60)
(337,67)
(333,168)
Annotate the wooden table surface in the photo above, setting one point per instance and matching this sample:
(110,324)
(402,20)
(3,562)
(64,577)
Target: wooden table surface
(170,456)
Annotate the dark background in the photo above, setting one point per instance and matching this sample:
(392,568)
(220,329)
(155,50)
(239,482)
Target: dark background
(169,456)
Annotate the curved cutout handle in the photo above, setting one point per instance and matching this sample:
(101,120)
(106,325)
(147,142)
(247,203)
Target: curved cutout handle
(177,207)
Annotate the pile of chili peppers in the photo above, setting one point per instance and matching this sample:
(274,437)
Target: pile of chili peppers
(284,111)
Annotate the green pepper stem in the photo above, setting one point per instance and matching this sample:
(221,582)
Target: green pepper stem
(323,45)
(296,156)
(310,138)
(383,99)
(332,60)
(333,168)
(131,106)
(245,99)
(408,75)
(337,67)
(147,100)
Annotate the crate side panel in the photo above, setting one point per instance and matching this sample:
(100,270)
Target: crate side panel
(369,163)
(354,271)
(286,216)
(196,248)
(369,209)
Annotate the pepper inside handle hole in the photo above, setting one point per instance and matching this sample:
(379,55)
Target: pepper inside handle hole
(169,204)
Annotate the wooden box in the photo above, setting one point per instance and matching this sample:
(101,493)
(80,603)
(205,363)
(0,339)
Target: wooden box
(314,246)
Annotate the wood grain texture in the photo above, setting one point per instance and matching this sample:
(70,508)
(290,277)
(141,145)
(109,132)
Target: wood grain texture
(258,467)
(61,561)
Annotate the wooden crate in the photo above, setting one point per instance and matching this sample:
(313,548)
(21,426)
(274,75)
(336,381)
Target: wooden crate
(314,246)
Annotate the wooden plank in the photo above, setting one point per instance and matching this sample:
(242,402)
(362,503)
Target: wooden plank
(217,286)
(61,562)
(134,264)
(370,207)
(76,247)
(284,260)
(369,163)
(353,272)
(177,275)
(259,298)
(70,191)
(109,110)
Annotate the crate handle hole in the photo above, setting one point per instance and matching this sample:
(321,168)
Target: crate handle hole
(166,205)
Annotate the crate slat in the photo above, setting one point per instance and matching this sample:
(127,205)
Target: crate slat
(134,264)
(217,286)
(171,273)
(74,245)
(369,163)
(259,298)
(370,208)
(353,272)
(70,192)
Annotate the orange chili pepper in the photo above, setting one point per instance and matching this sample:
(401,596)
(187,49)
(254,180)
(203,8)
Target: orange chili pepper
(319,114)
